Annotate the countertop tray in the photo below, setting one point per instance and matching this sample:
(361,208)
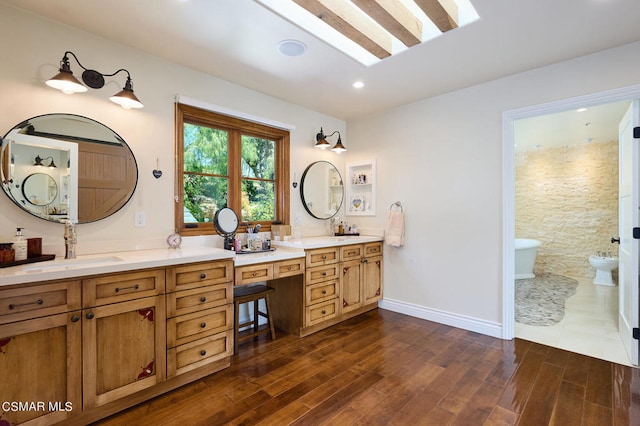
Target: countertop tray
(245,251)
(42,258)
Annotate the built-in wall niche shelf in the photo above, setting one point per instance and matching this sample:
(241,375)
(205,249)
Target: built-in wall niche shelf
(361,188)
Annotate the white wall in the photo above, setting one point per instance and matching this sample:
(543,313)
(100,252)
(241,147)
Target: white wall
(33,48)
(442,158)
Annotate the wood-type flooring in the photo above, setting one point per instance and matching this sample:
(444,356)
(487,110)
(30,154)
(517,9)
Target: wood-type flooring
(384,368)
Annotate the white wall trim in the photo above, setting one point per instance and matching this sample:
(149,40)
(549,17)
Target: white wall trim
(488,328)
(508,183)
(228,111)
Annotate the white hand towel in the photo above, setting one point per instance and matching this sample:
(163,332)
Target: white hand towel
(394,235)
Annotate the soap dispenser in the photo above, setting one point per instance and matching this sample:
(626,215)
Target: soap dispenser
(20,245)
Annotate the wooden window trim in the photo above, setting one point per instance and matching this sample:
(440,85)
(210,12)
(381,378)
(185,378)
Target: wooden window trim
(235,126)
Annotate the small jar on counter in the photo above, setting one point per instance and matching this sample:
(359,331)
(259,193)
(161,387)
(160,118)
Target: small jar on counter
(7,254)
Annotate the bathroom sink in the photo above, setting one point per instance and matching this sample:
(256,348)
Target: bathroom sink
(72,263)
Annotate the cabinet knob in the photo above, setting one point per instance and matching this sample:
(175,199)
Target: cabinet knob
(75,318)
(203,276)
(203,352)
(324,274)
(324,257)
(324,291)
(323,312)
(90,315)
(203,299)
(203,325)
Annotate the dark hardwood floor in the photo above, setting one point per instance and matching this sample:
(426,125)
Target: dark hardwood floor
(386,368)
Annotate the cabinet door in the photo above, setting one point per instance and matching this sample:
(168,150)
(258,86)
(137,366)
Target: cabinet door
(351,285)
(40,363)
(124,349)
(372,279)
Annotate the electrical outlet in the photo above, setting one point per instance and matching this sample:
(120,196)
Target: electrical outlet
(140,219)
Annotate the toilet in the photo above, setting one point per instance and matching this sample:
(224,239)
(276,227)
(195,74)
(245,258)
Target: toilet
(604,266)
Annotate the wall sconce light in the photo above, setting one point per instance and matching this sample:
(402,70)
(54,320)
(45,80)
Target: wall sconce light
(67,83)
(38,161)
(321,142)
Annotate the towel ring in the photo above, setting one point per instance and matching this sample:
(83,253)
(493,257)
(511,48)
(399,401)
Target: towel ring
(397,204)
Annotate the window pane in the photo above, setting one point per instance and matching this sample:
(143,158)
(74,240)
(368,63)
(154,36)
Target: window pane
(258,159)
(258,200)
(203,196)
(205,150)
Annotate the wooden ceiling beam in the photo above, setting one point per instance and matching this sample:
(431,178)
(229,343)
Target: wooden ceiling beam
(393,16)
(347,19)
(438,14)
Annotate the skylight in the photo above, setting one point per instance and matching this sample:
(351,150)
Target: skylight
(371,30)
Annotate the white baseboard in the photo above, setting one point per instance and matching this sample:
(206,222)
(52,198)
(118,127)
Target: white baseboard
(488,328)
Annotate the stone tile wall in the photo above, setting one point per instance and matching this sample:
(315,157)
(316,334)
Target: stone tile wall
(567,198)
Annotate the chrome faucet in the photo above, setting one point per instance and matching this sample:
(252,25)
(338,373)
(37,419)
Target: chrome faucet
(70,239)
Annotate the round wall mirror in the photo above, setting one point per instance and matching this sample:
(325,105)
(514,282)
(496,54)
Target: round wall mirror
(39,189)
(91,168)
(321,190)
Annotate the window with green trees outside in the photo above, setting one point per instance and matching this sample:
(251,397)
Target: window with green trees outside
(224,161)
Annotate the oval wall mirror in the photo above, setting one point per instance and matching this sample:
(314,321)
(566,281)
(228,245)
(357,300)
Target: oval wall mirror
(91,167)
(321,190)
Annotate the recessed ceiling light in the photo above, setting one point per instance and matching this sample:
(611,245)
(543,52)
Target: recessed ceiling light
(358,85)
(292,47)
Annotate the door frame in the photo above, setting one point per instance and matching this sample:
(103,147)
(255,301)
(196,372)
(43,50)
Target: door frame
(508,182)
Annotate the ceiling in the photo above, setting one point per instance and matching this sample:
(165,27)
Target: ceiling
(236,40)
(569,128)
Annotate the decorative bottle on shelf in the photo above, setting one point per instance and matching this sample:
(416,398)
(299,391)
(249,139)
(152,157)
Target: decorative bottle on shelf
(20,245)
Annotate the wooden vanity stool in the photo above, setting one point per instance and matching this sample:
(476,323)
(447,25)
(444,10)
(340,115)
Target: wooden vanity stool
(252,293)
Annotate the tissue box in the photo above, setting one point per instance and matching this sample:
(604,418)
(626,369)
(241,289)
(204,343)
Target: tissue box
(280,230)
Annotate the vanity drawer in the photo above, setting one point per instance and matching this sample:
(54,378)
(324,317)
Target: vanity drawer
(323,256)
(199,275)
(190,327)
(351,252)
(321,312)
(287,268)
(114,288)
(254,273)
(193,355)
(322,273)
(373,249)
(317,293)
(17,304)
(198,299)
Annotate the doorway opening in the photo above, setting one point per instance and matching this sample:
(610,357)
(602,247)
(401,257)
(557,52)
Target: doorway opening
(510,120)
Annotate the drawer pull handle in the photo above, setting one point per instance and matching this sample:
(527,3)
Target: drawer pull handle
(203,352)
(203,276)
(37,302)
(90,315)
(324,291)
(288,268)
(324,274)
(75,318)
(324,257)
(133,287)
(323,312)
(254,274)
(203,325)
(203,299)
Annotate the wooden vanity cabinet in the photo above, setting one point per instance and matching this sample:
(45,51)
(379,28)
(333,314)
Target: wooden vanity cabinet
(123,335)
(322,296)
(200,316)
(361,275)
(40,351)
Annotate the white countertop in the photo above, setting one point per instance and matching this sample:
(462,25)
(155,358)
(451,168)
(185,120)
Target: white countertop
(106,263)
(326,241)
(267,256)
